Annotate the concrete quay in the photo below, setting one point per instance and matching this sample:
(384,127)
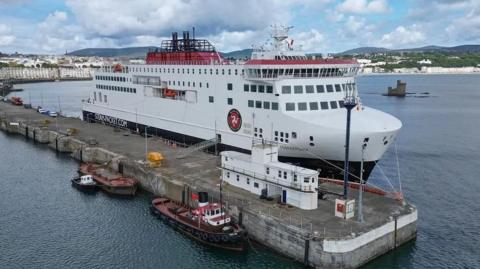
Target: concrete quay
(315,237)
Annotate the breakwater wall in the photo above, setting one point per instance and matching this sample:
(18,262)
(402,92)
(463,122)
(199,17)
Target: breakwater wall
(300,242)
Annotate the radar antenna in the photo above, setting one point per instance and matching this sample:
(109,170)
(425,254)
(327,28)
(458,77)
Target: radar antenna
(279,34)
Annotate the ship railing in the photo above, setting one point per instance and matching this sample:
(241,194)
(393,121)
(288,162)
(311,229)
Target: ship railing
(255,76)
(192,62)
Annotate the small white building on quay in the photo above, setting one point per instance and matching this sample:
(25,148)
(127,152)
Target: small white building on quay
(261,171)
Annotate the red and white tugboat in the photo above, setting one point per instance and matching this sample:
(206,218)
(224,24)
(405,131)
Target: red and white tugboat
(208,223)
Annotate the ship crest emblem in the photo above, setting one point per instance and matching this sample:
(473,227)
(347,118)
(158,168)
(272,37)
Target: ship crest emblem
(234,120)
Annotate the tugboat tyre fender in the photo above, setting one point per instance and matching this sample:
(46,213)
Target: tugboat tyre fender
(216,238)
(225,238)
(204,236)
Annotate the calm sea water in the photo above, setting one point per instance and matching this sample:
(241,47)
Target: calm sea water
(46,223)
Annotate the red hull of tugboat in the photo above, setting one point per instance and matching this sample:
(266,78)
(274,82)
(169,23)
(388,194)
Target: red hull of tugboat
(118,185)
(176,215)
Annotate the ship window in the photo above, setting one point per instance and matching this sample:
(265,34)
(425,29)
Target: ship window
(338,88)
(216,71)
(313,106)
(261,88)
(223,71)
(294,135)
(302,106)
(279,173)
(266,105)
(236,72)
(286,135)
(228,174)
(178,70)
(324,105)
(200,85)
(341,104)
(286,89)
(306,180)
(210,99)
(193,84)
(207,84)
(269,89)
(285,175)
(329,88)
(188,84)
(183,70)
(281,134)
(238,177)
(311,138)
(230,101)
(95,96)
(295,178)
(174,82)
(248,181)
(253,88)
(258,104)
(274,106)
(298,89)
(245,87)
(250,103)
(309,89)
(333,104)
(267,170)
(290,106)
(211,71)
(184,83)
(188,70)
(229,86)
(276,133)
(255,185)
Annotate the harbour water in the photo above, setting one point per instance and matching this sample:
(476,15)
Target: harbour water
(44,222)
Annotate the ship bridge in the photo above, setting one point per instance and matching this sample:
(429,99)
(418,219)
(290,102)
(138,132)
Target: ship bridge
(283,61)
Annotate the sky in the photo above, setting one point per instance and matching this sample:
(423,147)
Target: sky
(326,26)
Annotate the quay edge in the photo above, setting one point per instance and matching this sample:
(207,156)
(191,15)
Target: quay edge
(313,249)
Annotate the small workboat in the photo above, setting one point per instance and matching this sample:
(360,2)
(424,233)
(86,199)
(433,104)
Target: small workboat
(84,183)
(109,181)
(208,223)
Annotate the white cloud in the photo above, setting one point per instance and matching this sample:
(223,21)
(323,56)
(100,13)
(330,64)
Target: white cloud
(6,38)
(466,27)
(115,18)
(402,36)
(310,41)
(363,6)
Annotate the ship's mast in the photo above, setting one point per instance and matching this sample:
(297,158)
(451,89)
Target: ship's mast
(279,35)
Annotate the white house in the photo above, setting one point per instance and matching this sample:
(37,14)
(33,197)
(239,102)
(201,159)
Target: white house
(424,62)
(295,185)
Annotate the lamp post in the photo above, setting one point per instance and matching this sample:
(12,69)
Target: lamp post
(349,103)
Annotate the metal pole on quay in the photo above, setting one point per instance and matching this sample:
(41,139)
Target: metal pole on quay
(360,186)
(349,103)
(146,144)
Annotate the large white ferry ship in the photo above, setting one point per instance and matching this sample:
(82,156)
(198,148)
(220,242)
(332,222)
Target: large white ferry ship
(186,91)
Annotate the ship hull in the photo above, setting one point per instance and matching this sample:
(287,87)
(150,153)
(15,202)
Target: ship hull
(328,168)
